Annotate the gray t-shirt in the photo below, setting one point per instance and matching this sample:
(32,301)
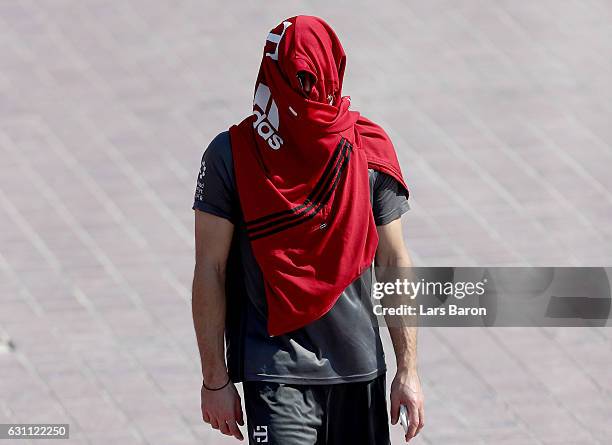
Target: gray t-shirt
(342,346)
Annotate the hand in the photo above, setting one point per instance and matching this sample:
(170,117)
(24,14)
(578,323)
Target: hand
(406,390)
(223,410)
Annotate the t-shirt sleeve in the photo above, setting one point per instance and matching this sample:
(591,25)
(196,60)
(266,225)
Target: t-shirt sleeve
(390,200)
(215,190)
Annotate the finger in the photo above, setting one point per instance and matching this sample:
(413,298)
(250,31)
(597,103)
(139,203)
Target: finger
(394,410)
(206,417)
(214,423)
(234,430)
(414,423)
(224,428)
(238,413)
(421,419)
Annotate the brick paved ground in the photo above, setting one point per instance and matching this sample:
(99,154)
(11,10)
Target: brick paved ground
(501,113)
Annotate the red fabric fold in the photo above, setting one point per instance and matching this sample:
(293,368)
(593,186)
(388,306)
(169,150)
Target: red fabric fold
(301,167)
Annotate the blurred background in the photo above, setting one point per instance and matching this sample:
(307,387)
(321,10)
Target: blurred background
(501,113)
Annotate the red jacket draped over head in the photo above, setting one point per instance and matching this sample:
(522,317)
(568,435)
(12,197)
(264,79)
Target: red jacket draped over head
(301,166)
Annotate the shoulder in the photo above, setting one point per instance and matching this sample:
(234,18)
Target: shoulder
(215,190)
(219,149)
(384,181)
(217,158)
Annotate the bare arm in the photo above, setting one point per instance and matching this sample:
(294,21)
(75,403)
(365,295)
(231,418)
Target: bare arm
(392,252)
(213,236)
(406,387)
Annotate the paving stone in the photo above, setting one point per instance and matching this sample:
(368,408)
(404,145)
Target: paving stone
(500,114)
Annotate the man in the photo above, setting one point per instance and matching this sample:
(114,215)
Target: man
(292,207)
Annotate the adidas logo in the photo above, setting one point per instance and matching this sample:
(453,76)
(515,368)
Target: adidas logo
(266,117)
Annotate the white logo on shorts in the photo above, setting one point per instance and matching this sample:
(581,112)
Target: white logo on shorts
(261,434)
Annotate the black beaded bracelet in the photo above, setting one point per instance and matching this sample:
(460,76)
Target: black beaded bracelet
(216,389)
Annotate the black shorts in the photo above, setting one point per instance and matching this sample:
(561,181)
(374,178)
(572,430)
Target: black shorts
(338,414)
